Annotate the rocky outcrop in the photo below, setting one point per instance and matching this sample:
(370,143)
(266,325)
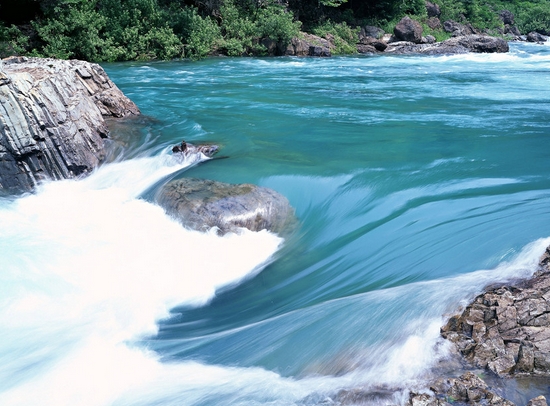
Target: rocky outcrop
(408,30)
(433,9)
(536,37)
(455,45)
(457,29)
(467,389)
(309,45)
(202,204)
(52,119)
(507,328)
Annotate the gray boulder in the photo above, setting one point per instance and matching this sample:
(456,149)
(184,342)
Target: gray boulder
(202,204)
(408,30)
(309,45)
(455,45)
(536,37)
(52,119)
(371,31)
(507,17)
(457,29)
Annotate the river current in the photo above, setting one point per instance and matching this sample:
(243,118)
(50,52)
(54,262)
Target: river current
(416,181)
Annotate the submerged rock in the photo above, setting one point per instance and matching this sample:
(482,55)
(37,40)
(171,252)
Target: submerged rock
(202,204)
(52,119)
(186,149)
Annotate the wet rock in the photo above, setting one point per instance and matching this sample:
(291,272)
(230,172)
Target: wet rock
(467,389)
(455,45)
(408,30)
(536,37)
(507,328)
(366,49)
(202,204)
(52,119)
(538,401)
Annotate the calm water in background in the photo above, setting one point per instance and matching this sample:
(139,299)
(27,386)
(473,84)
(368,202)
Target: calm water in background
(416,181)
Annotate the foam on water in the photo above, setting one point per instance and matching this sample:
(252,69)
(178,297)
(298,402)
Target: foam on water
(87,267)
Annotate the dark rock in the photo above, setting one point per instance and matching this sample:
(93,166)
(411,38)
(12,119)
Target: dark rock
(434,23)
(457,29)
(510,29)
(186,149)
(481,43)
(408,30)
(52,119)
(371,31)
(378,45)
(319,51)
(366,49)
(428,39)
(536,37)
(202,204)
(507,17)
(432,9)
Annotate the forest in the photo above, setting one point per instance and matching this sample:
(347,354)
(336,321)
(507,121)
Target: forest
(122,30)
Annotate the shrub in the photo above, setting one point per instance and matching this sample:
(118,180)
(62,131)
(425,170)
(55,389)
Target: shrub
(345,37)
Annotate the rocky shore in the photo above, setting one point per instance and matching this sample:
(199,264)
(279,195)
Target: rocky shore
(52,119)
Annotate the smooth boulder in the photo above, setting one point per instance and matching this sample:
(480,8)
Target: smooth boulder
(408,30)
(201,204)
(52,119)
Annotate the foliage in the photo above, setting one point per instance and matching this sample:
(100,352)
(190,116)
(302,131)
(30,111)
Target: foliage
(12,41)
(534,17)
(345,37)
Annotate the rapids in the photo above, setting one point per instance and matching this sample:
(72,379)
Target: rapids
(417,181)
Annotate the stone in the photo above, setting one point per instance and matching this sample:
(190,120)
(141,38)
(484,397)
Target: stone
(455,45)
(457,29)
(513,336)
(408,30)
(52,122)
(202,204)
(309,45)
(536,37)
(507,17)
(432,9)
(434,23)
(538,401)
(371,32)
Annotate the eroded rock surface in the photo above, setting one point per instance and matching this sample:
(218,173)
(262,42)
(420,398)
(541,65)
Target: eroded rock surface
(507,328)
(202,204)
(52,119)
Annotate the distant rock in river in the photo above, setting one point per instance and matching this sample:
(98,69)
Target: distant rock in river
(52,119)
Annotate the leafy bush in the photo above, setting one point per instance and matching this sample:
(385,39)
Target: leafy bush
(345,37)
(534,18)
(12,41)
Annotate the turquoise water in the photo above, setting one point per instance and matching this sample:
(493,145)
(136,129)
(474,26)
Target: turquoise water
(416,182)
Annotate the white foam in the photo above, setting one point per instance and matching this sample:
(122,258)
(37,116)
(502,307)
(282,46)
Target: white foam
(87,267)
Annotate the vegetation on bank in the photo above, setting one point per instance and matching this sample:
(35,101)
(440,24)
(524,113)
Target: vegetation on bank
(120,30)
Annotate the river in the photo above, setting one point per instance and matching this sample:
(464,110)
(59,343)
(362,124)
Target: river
(416,181)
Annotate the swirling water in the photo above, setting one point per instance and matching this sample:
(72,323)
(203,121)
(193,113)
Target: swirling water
(416,181)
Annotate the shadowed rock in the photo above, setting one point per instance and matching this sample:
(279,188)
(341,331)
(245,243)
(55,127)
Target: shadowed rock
(202,204)
(52,119)
(408,30)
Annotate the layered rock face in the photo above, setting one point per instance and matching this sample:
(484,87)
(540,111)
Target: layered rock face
(52,119)
(507,329)
(202,204)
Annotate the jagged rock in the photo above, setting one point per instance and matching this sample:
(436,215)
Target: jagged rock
(309,45)
(408,30)
(371,31)
(455,45)
(507,17)
(432,9)
(457,29)
(468,388)
(378,45)
(202,204)
(510,29)
(536,37)
(507,329)
(434,23)
(52,119)
(538,401)
(366,49)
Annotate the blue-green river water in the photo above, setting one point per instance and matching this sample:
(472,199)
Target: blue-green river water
(416,182)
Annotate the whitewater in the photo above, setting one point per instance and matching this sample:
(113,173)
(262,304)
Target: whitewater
(417,181)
